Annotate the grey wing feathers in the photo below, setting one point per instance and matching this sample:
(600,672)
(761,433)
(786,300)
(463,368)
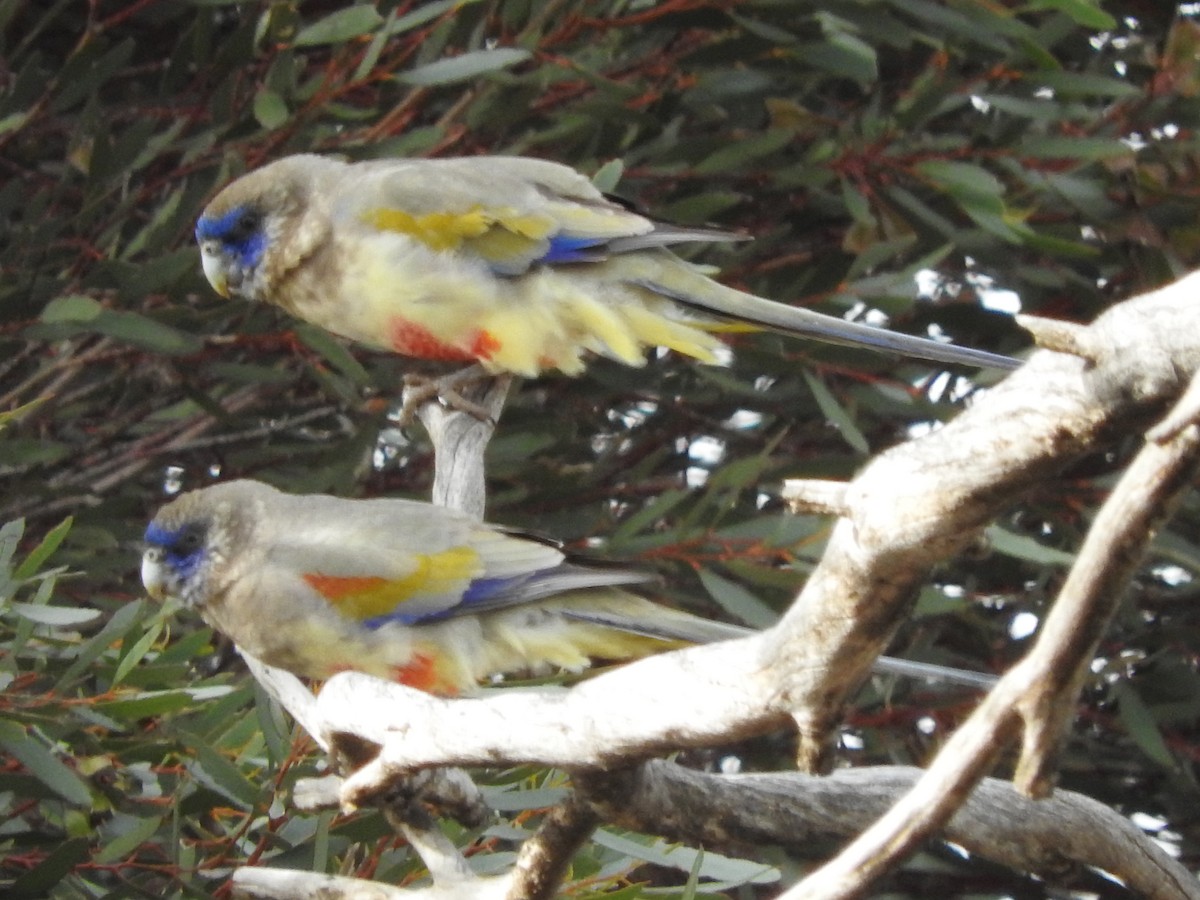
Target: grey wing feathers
(665,235)
(547,583)
(668,626)
(568,577)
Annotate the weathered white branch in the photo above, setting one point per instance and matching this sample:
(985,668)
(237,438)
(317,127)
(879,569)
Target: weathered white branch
(815,496)
(287,884)
(599,722)
(459,441)
(926,500)
(1061,337)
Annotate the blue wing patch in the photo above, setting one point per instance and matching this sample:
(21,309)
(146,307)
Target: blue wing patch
(567,249)
(481,594)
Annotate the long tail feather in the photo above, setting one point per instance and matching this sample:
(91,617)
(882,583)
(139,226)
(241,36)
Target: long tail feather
(709,297)
(680,626)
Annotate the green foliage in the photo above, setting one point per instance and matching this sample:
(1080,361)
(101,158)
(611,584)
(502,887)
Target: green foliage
(898,159)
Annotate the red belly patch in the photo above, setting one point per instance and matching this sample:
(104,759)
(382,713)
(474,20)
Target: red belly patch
(420,673)
(411,339)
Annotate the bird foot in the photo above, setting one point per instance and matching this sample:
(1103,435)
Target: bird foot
(449,390)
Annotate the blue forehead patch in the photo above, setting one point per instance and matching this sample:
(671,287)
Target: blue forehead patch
(159,536)
(247,250)
(184,564)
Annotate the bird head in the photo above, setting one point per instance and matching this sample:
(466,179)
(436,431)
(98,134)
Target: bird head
(174,560)
(263,224)
(190,546)
(232,245)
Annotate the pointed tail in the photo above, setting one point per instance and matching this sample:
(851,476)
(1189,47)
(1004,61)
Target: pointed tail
(673,625)
(682,283)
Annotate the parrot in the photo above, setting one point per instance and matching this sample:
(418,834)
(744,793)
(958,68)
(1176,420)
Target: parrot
(516,264)
(408,591)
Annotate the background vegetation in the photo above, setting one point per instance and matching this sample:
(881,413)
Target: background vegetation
(929,164)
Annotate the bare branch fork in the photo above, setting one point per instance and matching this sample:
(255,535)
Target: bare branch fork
(912,507)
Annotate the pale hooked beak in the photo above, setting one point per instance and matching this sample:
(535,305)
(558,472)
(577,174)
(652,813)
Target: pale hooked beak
(154,574)
(214,270)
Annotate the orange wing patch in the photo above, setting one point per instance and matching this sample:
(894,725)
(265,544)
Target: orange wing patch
(335,588)
(434,576)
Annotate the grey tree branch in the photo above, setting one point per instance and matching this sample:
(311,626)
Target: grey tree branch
(543,860)
(805,814)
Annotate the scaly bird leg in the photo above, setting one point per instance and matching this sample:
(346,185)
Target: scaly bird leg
(445,389)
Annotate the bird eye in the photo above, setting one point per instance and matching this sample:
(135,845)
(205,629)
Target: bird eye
(245,226)
(189,539)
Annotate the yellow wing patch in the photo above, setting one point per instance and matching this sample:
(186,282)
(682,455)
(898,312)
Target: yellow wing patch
(448,231)
(434,575)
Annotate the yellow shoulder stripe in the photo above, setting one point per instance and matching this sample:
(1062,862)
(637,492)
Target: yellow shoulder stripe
(447,231)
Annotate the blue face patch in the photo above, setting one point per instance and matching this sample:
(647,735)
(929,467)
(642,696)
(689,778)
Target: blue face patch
(183,548)
(239,232)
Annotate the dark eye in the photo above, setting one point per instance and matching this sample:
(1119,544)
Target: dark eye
(189,540)
(244,227)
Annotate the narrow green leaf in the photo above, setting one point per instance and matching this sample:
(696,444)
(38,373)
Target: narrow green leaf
(270,110)
(147,705)
(1084,12)
(32,451)
(13,121)
(56,616)
(608,176)
(128,326)
(46,767)
(341,26)
(742,605)
(837,415)
(142,331)
(659,852)
(135,653)
(375,48)
(136,831)
(19,412)
(962,178)
(1086,84)
(334,351)
(645,517)
(1139,721)
(41,880)
(72,308)
(736,155)
(1075,149)
(123,619)
(39,554)
(465,66)
(218,772)
(1021,547)
(10,538)
(427,12)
